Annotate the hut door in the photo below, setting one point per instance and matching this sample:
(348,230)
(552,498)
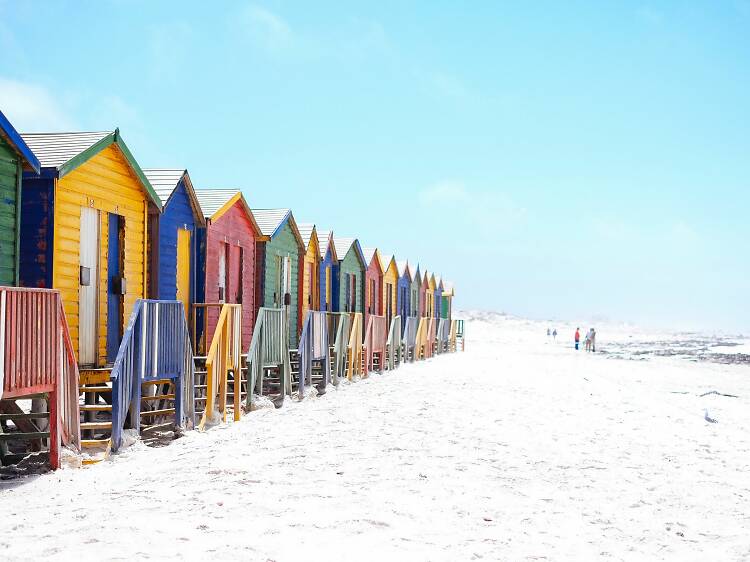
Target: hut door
(329,304)
(223,251)
(88,292)
(183,268)
(115,284)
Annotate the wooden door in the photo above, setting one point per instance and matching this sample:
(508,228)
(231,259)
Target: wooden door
(223,251)
(115,283)
(88,293)
(183,268)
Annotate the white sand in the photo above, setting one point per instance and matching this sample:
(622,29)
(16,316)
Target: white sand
(518,449)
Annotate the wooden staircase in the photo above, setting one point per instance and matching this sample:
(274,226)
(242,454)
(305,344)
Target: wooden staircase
(201,385)
(95,405)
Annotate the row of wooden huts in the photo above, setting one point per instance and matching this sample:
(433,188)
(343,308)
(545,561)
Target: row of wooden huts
(78,214)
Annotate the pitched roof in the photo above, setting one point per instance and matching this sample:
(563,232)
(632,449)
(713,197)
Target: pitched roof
(403,268)
(212,200)
(342,245)
(305,231)
(165,181)
(324,238)
(369,254)
(386,260)
(271,220)
(56,149)
(64,152)
(16,142)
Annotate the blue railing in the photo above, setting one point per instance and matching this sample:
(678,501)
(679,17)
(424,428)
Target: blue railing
(313,346)
(339,329)
(409,338)
(156,346)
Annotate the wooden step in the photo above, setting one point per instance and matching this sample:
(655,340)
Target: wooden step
(95,407)
(96,425)
(94,376)
(162,381)
(97,388)
(23,436)
(15,458)
(157,412)
(24,416)
(159,397)
(91,443)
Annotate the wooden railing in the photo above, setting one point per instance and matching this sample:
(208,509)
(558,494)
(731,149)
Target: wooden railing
(425,340)
(224,358)
(442,335)
(199,327)
(269,347)
(156,346)
(409,338)
(393,344)
(460,334)
(452,337)
(313,346)
(339,328)
(376,338)
(354,347)
(36,358)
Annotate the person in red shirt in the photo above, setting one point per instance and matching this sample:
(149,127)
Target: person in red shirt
(578,337)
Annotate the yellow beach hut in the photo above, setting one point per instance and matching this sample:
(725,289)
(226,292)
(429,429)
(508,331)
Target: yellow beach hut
(390,285)
(85,229)
(310,278)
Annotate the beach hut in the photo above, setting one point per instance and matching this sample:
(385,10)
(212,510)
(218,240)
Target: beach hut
(85,226)
(416,293)
(350,273)
(438,296)
(328,281)
(447,300)
(424,305)
(429,294)
(390,286)
(15,159)
(283,253)
(228,263)
(179,222)
(373,283)
(310,270)
(403,291)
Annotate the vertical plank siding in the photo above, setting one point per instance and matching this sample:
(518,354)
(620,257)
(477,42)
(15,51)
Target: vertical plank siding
(390,279)
(177,215)
(350,265)
(283,244)
(311,289)
(10,174)
(235,229)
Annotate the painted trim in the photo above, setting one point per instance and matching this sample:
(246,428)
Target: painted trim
(9,133)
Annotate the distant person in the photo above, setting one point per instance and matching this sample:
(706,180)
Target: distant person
(587,341)
(577,338)
(548,333)
(554,334)
(593,340)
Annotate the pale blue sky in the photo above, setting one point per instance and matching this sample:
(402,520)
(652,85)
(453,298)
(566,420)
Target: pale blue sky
(563,159)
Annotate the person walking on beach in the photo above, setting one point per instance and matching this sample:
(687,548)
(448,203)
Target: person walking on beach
(587,341)
(548,333)
(577,338)
(554,334)
(593,340)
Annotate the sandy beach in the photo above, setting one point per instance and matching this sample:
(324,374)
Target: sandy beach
(518,449)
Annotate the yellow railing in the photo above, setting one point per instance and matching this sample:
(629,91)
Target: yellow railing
(354,349)
(223,358)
